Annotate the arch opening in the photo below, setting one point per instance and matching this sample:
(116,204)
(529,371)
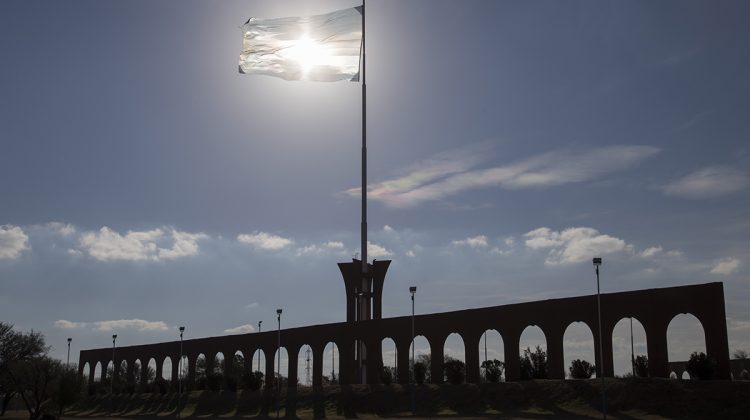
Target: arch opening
(305,365)
(629,351)
(151,373)
(533,352)
(491,356)
(454,359)
(579,351)
(281,367)
(420,360)
(331,365)
(686,336)
(86,372)
(389,354)
(166,369)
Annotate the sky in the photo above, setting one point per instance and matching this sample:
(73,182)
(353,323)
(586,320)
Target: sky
(146,184)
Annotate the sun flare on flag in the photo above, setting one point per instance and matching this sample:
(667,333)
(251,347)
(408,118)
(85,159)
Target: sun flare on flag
(323,48)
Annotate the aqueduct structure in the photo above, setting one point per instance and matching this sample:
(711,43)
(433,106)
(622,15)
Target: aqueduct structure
(654,308)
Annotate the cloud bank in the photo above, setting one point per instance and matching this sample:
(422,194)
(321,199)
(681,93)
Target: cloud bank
(573,245)
(108,245)
(709,182)
(13,241)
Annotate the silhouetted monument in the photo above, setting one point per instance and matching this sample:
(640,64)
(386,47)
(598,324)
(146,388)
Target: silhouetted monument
(654,308)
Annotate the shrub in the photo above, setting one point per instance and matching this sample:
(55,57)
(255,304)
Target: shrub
(454,371)
(534,364)
(213,382)
(641,366)
(581,369)
(700,366)
(493,370)
(386,375)
(253,381)
(420,372)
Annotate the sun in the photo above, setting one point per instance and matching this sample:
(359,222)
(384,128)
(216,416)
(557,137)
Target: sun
(308,53)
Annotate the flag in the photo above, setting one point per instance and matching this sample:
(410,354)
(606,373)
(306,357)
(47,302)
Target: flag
(323,48)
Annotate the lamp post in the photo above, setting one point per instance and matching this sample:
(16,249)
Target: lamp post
(278,353)
(632,349)
(68,362)
(259,322)
(485,354)
(413,291)
(114,369)
(179,370)
(597,262)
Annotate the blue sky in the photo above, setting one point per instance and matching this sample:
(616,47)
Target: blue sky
(146,184)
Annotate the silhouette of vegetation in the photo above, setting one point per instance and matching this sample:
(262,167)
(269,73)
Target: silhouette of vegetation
(700,366)
(581,369)
(739,354)
(420,373)
(534,364)
(454,370)
(493,370)
(641,366)
(387,375)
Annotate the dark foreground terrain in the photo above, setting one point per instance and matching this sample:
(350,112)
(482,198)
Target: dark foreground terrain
(540,399)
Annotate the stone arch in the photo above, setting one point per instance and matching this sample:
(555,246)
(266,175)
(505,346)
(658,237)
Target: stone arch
(685,335)
(578,343)
(183,368)
(151,371)
(621,345)
(109,372)
(166,369)
(281,366)
(672,375)
(685,376)
(454,348)
(389,355)
(420,348)
(305,361)
(123,374)
(532,337)
(331,366)
(491,347)
(258,362)
(86,372)
(200,371)
(219,364)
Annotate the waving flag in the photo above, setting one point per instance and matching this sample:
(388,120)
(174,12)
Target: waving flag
(323,48)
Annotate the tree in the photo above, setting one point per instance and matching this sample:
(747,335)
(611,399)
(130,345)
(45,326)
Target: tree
(493,370)
(454,370)
(16,347)
(68,388)
(700,366)
(641,366)
(35,379)
(420,373)
(581,369)
(740,354)
(534,364)
(387,374)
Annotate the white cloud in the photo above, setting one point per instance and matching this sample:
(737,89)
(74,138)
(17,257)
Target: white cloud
(69,325)
(265,241)
(387,228)
(109,245)
(325,247)
(479,241)
(13,241)
(252,305)
(410,253)
(574,245)
(64,229)
(74,252)
(651,251)
(439,178)
(242,329)
(709,182)
(377,251)
(726,266)
(128,324)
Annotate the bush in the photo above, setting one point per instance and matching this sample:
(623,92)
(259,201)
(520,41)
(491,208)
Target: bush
(700,366)
(253,381)
(493,370)
(581,369)
(386,375)
(641,366)
(420,372)
(534,364)
(454,371)
(213,382)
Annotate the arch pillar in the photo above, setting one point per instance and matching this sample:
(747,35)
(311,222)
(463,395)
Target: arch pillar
(605,365)
(270,368)
(555,353)
(191,369)
(92,368)
(347,362)
(130,372)
(159,368)
(175,368)
(210,362)
(471,353)
(404,360)
(374,361)
(228,363)
(317,368)
(436,360)
(291,374)
(656,343)
(511,347)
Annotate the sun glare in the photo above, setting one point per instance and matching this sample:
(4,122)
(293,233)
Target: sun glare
(308,53)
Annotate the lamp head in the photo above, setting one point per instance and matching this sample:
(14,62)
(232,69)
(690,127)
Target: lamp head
(597,262)
(182,329)
(114,337)
(69,340)
(413,289)
(278,312)
(260,322)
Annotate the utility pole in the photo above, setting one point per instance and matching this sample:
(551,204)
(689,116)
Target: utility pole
(307,368)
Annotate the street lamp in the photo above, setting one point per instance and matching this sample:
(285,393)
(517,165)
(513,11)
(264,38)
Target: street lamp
(114,369)
(413,291)
(278,353)
(259,322)
(179,368)
(632,348)
(68,362)
(597,262)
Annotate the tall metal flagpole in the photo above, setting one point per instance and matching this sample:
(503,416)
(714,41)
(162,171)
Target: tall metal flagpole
(363,245)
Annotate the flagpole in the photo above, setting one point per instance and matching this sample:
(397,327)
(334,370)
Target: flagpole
(364,284)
